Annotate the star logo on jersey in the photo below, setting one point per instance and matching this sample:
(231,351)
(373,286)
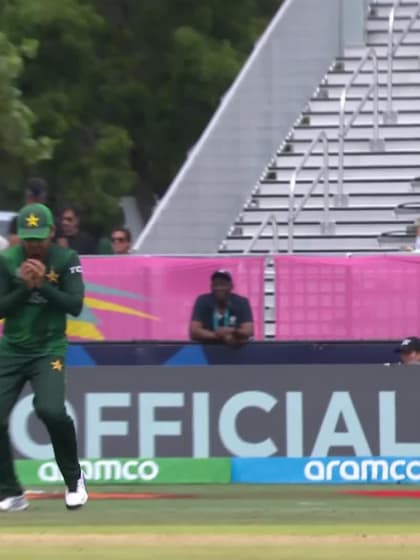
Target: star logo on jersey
(52,276)
(32,220)
(57,365)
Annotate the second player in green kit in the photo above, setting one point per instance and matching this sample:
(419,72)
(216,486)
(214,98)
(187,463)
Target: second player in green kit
(40,283)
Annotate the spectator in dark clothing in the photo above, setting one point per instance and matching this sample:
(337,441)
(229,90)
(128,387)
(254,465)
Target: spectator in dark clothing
(121,241)
(36,191)
(409,351)
(221,315)
(71,236)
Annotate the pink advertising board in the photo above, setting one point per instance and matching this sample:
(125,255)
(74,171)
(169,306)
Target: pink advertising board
(374,297)
(151,298)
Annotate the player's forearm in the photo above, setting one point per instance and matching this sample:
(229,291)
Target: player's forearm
(14,299)
(70,303)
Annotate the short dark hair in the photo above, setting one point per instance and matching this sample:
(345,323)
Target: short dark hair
(36,187)
(70,207)
(222,274)
(125,230)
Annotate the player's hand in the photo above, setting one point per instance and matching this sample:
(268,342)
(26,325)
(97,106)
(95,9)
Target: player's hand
(27,275)
(38,270)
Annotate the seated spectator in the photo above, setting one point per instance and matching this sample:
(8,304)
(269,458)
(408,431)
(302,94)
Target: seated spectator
(35,192)
(71,236)
(409,351)
(221,315)
(121,241)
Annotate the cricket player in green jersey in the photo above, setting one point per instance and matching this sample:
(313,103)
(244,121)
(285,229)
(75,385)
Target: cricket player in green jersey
(40,283)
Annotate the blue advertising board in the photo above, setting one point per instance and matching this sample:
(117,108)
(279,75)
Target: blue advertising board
(326,470)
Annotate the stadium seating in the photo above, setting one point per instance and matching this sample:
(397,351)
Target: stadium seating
(379,180)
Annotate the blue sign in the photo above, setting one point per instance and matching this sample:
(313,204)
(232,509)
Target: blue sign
(330,470)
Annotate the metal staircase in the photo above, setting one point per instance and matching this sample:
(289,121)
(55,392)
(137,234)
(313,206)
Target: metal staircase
(378,169)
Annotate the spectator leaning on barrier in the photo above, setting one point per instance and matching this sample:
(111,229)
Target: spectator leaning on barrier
(121,241)
(221,315)
(409,351)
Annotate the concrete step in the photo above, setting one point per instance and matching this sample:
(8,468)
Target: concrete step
(358,91)
(400,63)
(351,159)
(400,24)
(383,200)
(399,77)
(356,145)
(328,105)
(364,117)
(399,131)
(247,229)
(383,9)
(316,243)
(375,187)
(381,51)
(377,250)
(378,37)
(383,172)
(316,214)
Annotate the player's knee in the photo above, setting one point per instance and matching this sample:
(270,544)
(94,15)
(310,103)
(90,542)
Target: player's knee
(48,413)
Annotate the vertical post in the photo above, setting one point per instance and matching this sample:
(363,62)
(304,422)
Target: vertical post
(377,144)
(291,218)
(265,306)
(326,184)
(375,98)
(390,117)
(341,135)
(275,230)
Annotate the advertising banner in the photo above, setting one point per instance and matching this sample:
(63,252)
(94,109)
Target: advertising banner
(340,298)
(337,470)
(131,471)
(151,298)
(234,411)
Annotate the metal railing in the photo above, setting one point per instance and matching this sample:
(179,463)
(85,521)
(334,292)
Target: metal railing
(376,142)
(326,225)
(391,116)
(271,218)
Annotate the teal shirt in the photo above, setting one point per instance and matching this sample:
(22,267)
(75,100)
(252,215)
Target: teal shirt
(35,320)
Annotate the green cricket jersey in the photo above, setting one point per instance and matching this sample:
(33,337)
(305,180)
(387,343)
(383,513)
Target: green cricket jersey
(35,320)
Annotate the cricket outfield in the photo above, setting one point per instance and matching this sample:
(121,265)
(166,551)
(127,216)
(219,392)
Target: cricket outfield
(218,522)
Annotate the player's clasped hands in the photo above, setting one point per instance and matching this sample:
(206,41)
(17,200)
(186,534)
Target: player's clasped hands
(33,273)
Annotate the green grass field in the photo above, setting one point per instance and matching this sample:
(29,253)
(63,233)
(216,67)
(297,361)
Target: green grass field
(232,522)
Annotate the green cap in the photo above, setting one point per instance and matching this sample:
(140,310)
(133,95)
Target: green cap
(34,222)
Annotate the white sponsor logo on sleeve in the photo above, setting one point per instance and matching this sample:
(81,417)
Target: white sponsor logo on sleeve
(75,269)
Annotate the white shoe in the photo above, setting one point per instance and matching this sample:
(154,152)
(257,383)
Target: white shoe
(77,496)
(14,503)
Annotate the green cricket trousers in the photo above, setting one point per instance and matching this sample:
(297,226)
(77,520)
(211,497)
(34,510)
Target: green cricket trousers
(47,377)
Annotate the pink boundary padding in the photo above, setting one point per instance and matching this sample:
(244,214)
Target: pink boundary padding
(164,288)
(347,298)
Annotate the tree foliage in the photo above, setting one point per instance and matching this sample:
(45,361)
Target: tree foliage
(106,97)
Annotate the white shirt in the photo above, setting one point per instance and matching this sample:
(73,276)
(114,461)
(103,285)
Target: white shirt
(3,243)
